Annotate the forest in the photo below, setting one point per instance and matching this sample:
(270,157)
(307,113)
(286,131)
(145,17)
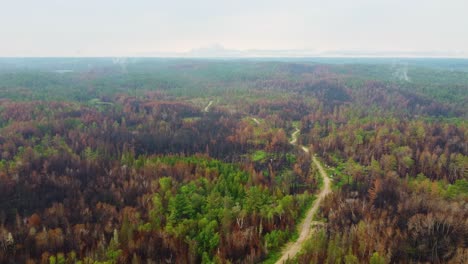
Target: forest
(212,160)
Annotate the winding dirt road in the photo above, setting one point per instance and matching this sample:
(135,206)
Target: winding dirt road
(207,108)
(255,120)
(294,139)
(305,228)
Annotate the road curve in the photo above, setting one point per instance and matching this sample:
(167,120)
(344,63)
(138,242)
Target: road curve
(207,108)
(305,228)
(255,120)
(294,139)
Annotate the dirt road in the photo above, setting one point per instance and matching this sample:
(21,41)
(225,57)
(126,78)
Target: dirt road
(305,228)
(294,138)
(256,120)
(207,108)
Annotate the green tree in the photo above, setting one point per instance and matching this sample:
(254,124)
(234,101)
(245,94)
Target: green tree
(207,237)
(180,206)
(377,259)
(351,259)
(157,212)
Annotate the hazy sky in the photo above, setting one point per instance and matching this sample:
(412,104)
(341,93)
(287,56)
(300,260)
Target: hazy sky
(135,27)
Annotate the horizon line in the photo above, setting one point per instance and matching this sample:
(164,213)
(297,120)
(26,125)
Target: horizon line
(233,57)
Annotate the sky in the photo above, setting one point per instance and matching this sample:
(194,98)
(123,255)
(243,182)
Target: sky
(242,27)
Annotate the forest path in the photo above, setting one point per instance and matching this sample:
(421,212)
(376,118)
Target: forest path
(256,120)
(207,108)
(294,139)
(305,228)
